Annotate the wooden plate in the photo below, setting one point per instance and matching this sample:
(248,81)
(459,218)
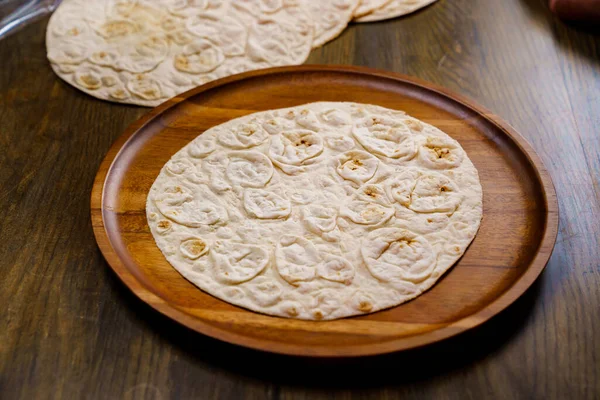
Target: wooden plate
(510,251)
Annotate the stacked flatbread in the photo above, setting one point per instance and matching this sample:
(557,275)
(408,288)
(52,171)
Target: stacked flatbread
(316,212)
(146,51)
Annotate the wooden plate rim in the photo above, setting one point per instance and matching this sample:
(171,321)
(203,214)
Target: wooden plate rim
(519,287)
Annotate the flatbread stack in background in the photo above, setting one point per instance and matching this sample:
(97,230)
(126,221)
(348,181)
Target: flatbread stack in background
(317,212)
(146,51)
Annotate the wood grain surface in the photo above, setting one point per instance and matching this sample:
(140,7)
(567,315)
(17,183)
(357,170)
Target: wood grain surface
(511,249)
(70,329)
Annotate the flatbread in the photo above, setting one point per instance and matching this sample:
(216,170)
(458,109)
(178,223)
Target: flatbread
(394,9)
(330,18)
(146,51)
(316,212)
(368,6)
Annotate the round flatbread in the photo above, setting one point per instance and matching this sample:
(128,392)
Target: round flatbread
(394,9)
(146,51)
(368,6)
(316,212)
(330,18)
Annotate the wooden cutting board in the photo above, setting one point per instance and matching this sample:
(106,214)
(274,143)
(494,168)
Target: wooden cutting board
(512,247)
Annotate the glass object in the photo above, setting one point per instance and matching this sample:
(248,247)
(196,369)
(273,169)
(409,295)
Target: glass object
(15,14)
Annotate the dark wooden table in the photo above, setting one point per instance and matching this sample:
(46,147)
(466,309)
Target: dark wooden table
(69,329)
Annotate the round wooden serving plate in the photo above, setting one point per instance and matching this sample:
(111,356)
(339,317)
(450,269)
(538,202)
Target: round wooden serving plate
(518,231)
